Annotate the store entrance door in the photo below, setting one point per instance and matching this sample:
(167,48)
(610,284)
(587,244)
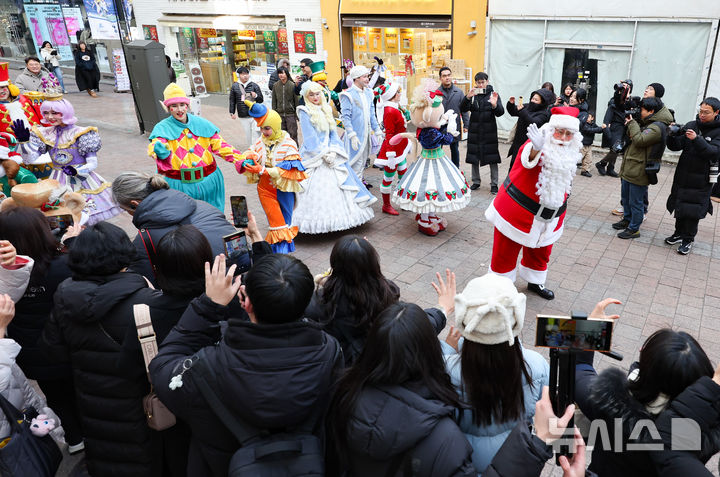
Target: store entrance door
(581,71)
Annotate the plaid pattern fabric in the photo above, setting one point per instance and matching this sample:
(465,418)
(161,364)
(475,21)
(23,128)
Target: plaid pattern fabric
(193,151)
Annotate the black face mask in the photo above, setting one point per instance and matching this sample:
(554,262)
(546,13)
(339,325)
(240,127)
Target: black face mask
(536,107)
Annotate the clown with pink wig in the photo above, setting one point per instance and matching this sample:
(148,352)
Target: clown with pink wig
(73,152)
(183,146)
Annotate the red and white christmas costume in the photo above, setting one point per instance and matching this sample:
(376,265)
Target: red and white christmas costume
(516,227)
(392,158)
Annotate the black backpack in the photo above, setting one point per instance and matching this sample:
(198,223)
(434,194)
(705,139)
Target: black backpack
(291,453)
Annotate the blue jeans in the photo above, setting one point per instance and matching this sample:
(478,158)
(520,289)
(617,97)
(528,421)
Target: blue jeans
(455,153)
(58,74)
(632,200)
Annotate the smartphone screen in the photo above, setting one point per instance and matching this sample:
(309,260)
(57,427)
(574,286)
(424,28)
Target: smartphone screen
(480,90)
(60,223)
(238,252)
(564,332)
(238,204)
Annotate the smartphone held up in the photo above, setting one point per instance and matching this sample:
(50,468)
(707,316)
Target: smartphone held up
(564,332)
(238,204)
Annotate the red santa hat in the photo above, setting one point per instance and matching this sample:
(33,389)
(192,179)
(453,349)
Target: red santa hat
(565,117)
(388,90)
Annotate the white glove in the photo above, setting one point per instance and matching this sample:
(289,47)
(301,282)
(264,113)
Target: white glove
(452,123)
(536,136)
(355,143)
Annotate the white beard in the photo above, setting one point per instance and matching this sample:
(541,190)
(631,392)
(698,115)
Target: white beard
(559,164)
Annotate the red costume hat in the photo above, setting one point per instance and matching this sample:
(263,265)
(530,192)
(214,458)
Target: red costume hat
(565,117)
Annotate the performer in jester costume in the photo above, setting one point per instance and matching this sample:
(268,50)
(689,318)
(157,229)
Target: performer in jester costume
(183,146)
(273,163)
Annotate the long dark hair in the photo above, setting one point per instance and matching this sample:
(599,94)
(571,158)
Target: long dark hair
(181,258)
(670,361)
(492,379)
(28,230)
(401,348)
(357,280)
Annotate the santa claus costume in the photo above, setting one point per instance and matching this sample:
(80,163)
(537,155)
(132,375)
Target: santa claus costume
(529,211)
(393,158)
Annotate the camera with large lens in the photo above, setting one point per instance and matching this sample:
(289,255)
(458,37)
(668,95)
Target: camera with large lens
(631,107)
(676,130)
(714,171)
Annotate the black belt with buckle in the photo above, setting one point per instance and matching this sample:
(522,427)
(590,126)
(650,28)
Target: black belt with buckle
(530,205)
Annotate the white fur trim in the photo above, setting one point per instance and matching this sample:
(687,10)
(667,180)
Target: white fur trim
(541,233)
(525,157)
(511,274)
(390,92)
(532,276)
(564,121)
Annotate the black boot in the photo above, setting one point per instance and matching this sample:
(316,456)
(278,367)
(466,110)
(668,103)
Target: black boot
(600,167)
(611,171)
(541,291)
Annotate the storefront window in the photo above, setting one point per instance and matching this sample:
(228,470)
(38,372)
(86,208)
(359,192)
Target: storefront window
(410,54)
(220,52)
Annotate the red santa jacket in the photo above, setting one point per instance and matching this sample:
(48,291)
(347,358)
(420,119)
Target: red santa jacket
(394,123)
(21,107)
(512,219)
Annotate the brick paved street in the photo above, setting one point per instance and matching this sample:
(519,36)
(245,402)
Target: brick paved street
(658,287)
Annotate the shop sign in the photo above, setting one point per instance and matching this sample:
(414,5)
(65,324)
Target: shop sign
(406,40)
(122,78)
(246,34)
(304,41)
(429,52)
(391,40)
(270,41)
(47,23)
(73,22)
(360,39)
(150,32)
(282,39)
(375,40)
(207,32)
(102,18)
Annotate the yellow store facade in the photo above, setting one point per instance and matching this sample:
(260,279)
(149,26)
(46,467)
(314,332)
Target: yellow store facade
(415,38)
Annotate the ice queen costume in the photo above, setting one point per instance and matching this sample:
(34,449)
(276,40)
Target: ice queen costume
(73,151)
(432,184)
(333,197)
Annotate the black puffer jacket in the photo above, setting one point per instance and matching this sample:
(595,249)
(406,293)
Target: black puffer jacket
(272,377)
(236,100)
(531,113)
(31,314)
(615,121)
(391,421)
(92,327)
(165,210)
(690,193)
(607,397)
(588,130)
(701,403)
(482,141)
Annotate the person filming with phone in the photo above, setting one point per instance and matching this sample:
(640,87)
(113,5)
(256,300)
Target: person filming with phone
(484,105)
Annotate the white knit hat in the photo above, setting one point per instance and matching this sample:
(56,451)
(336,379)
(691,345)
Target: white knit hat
(490,310)
(390,91)
(358,71)
(565,117)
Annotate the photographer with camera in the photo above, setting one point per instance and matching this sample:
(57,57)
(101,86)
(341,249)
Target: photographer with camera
(647,143)
(695,174)
(614,126)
